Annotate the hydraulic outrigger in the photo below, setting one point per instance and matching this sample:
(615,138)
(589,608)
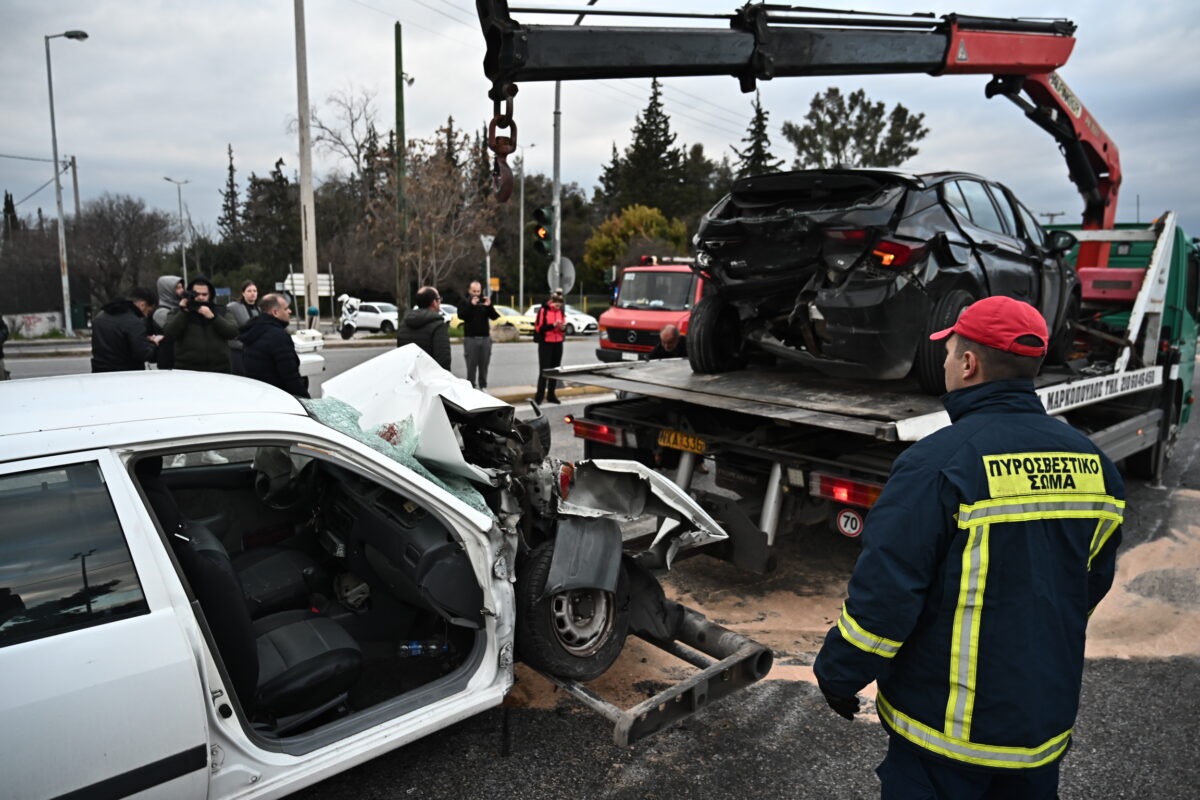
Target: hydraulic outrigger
(764,41)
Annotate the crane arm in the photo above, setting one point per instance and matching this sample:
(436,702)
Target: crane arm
(764,41)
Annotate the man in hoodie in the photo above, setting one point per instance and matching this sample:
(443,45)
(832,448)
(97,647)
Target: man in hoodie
(268,353)
(170,289)
(424,327)
(120,339)
(200,330)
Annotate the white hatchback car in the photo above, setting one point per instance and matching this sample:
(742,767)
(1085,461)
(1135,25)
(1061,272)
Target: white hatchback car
(377,315)
(577,321)
(340,587)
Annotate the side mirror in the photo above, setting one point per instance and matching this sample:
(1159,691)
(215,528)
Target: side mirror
(1060,241)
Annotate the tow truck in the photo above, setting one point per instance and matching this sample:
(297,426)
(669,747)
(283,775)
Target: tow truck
(794,447)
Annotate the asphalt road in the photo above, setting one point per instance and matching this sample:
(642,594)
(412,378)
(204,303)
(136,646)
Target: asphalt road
(513,363)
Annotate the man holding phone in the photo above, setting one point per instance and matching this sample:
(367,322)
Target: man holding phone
(476,315)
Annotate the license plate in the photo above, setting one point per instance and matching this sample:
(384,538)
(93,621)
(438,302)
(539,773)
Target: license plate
(628,356)
(677,440)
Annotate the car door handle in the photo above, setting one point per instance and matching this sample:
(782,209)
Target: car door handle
(988,247)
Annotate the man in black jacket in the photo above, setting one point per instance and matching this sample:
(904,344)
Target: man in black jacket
(424,327)
(477,316)
(269,354)
(121,340)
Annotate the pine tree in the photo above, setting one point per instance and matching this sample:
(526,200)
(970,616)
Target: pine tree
(607,195)
(757,158)
(854,132)
(12,222)
(229,223)
(651,170)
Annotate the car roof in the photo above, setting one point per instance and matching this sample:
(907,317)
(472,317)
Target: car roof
(777,181)
(80,401)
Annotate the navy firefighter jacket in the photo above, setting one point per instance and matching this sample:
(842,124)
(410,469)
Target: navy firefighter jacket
(982,559)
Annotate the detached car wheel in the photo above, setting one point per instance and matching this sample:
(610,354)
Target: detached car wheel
(576,634)
(715,337)
(931,356)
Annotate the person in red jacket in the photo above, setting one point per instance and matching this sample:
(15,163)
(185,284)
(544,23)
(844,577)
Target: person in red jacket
(548,328)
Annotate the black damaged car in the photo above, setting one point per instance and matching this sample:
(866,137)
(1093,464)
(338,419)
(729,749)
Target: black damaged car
(849,270)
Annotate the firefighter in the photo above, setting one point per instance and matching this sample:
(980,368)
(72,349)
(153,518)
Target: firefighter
(982,560)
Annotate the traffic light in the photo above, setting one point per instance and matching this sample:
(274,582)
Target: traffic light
(543,233)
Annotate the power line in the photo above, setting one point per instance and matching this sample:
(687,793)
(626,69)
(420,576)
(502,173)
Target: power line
(43,186)
(676,112)
(394,16)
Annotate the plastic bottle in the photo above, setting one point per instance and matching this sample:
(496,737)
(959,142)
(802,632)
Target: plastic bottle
(430,647)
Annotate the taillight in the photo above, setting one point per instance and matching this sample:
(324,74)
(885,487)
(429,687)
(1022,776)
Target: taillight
(845,491)
(846,234)
(895,255)
(595,431)
(566,477)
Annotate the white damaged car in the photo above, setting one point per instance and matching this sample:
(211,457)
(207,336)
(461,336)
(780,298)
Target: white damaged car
(354,578)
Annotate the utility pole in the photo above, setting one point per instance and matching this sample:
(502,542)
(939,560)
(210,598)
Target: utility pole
(308,216)
(68,328)
(557,179)
(1051,215)
(75,181)
(182,228)
(402,298)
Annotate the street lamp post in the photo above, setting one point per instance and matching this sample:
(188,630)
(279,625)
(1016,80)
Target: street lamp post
(62,233)
(182,228)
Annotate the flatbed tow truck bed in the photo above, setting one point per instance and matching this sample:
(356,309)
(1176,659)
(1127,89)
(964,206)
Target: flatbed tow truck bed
(890,411)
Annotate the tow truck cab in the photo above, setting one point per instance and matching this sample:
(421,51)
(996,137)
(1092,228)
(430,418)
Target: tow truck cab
(655,293)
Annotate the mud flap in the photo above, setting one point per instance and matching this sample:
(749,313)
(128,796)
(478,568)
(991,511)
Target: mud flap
(727,662)
(747,545)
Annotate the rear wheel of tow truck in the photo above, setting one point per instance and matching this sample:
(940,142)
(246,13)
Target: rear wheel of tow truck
(1062,343)
(931,356)
(576,634)
(715,337)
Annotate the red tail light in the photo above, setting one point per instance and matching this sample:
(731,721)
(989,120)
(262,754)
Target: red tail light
(894,255)
(846,234)
(566,478)
(596,431)
(844,490)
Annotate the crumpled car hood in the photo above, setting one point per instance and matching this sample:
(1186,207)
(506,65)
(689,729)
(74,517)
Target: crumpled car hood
(407,382)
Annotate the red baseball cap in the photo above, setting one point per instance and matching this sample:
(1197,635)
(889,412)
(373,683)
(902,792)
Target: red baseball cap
(998,322)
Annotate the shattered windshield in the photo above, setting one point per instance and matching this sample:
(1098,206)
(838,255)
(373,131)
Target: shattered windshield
(658,291)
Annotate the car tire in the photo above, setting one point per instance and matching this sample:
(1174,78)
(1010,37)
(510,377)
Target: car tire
(387,327)
(1062,343)
(569,330)
(931,355)
(551,636)
(715,337)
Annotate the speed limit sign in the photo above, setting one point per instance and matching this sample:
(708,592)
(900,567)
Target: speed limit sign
(849,522)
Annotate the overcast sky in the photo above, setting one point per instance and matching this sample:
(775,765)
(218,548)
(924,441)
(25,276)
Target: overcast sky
(160,88)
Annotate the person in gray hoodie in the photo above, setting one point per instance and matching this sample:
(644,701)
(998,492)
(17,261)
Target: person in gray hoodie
(424,327)
(244,309)
(170,289)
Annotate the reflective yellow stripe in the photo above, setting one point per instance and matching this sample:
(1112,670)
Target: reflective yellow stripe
(1034,507)
(1104,529)
(960,749)
(964,647)
(858,636)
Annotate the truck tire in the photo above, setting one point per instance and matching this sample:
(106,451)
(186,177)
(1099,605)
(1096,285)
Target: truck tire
(715,337)
(575,635)
(1062,342)
(931,356)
